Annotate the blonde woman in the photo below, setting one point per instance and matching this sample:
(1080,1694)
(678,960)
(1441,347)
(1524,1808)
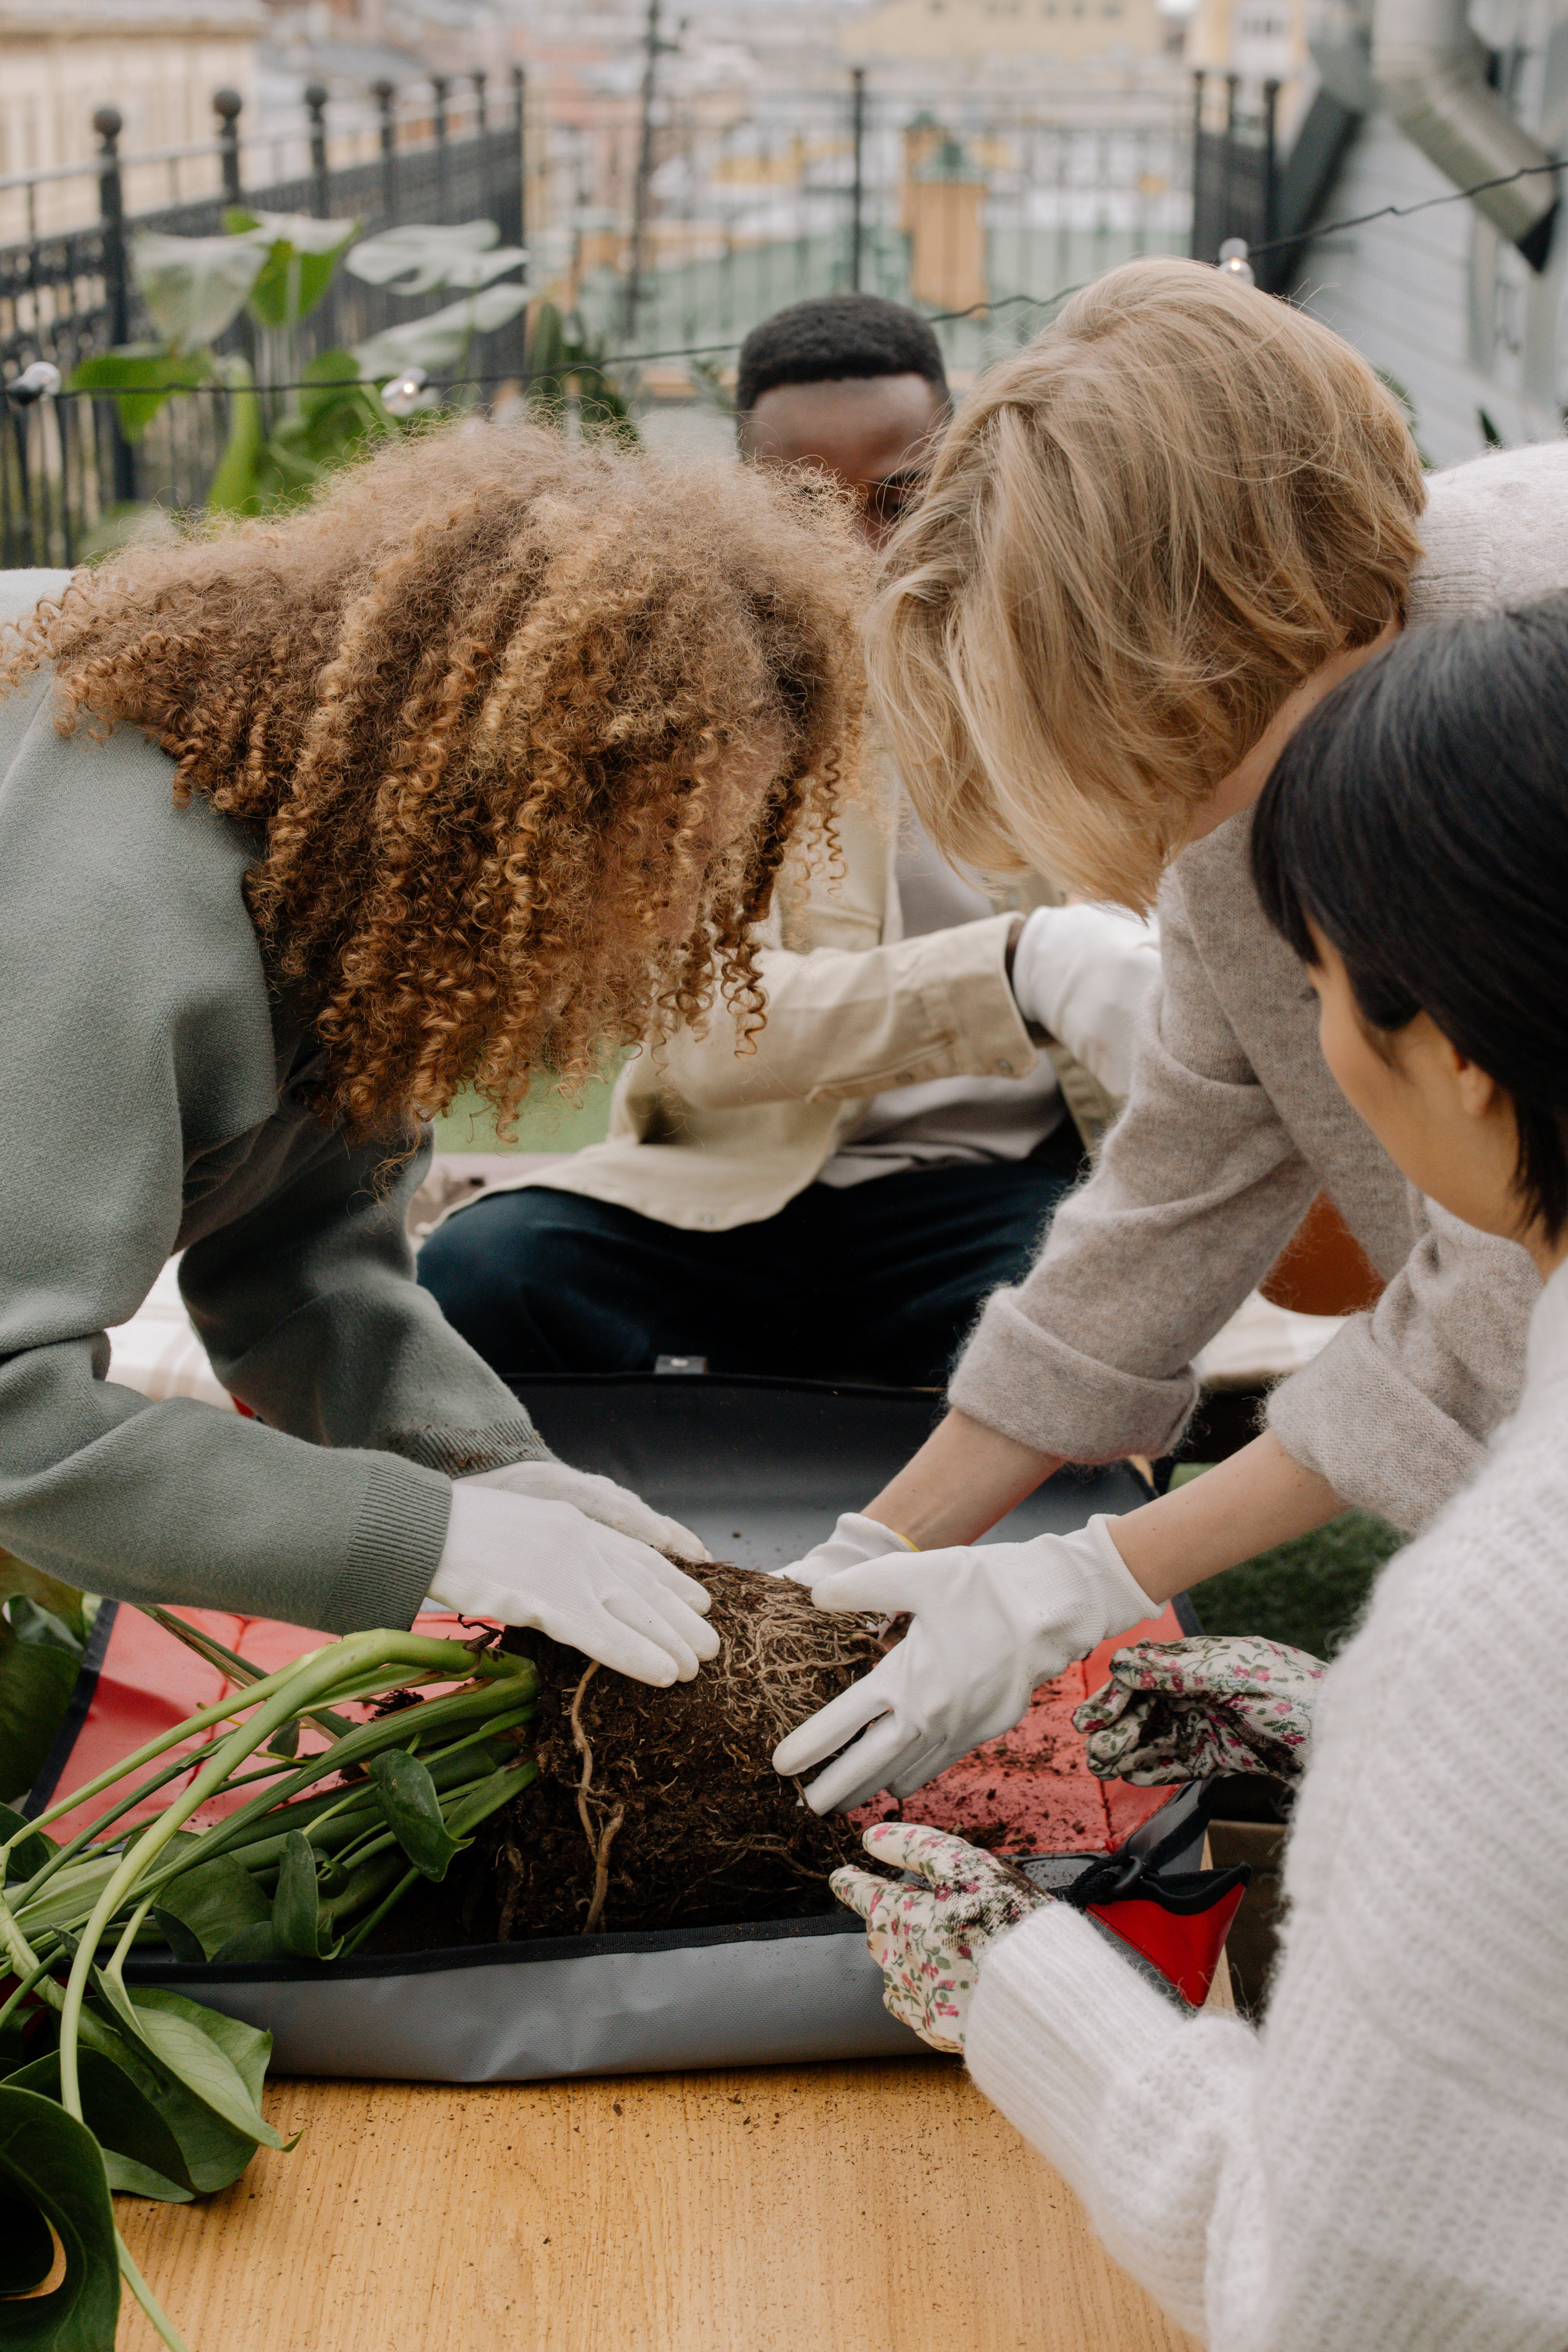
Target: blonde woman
(1153,542)
(486,760)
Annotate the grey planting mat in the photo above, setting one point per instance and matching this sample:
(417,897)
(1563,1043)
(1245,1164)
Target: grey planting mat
(759,1468)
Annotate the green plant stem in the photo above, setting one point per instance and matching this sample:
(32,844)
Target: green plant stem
(33,1978)
(238,1669)
(147,2299)
(321,1674)
(368,1926)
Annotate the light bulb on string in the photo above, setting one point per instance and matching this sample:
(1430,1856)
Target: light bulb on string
(405,393)
(1233,260)
(39,382)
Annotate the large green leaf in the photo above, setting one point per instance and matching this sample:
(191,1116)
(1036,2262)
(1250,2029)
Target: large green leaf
(194,286)
(19,1582)
(298,270)
(297,1903)
(36,1683)
(213,2153)
(31,1851)
(26,2248)
(139,2147)
(413,1810)
(149,369)
(418,256)
(198,2048)
(201,1910)
(471,271)
(441,342)
(51,2172)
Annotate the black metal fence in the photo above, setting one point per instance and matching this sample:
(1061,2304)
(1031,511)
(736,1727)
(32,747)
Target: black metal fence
(64,465)
(1234,168)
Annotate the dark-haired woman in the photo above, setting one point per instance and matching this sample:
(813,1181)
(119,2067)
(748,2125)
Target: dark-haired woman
(1383,2166)
(485,761)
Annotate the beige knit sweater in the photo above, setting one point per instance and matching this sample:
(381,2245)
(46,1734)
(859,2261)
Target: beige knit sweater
(1234,1123)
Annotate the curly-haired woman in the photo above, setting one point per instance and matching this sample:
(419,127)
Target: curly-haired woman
(485,760)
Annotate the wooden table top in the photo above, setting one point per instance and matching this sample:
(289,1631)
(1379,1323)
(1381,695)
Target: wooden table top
(882,2205)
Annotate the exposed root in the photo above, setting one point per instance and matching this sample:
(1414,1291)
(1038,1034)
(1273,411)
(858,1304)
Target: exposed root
(602,1869)
(658,1807)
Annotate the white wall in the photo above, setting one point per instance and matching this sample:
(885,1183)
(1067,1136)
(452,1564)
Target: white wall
(1440,301)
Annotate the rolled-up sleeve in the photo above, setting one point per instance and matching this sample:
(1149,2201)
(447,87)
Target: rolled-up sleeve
(1198,1188)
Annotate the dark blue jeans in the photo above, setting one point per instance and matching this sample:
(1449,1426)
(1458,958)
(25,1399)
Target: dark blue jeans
(878,1281)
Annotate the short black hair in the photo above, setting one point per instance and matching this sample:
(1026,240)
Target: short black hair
(1419,817)
(836,335)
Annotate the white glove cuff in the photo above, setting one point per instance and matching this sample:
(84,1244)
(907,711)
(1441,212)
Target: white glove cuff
(1126,1602)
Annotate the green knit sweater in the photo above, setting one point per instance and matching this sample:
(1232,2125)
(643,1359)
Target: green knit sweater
(153,1101)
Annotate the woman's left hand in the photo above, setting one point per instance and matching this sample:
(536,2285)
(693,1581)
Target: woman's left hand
(597,1498)
(930,1940)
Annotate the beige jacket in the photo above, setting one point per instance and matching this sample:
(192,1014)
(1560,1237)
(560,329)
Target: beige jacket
(1234,1123)
(706,1138)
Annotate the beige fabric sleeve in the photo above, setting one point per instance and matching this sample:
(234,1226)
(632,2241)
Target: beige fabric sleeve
(1198,1188)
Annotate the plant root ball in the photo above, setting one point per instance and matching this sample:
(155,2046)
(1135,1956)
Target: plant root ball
(658,1808)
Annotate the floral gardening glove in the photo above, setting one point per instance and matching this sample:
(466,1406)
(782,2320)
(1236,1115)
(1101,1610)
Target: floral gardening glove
(1182,1710)
(930,1940)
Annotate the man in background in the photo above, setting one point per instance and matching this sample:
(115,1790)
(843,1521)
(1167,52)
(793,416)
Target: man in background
(935,1066)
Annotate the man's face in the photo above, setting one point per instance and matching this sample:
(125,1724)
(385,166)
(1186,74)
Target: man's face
(874,435)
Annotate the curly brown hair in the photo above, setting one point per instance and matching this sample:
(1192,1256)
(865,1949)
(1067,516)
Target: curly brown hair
(524,728)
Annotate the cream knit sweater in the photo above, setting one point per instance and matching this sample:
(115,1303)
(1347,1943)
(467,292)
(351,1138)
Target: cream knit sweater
(1234,1123)
(1384,2168)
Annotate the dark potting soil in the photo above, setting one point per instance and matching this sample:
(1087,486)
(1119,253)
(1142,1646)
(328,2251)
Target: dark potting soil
(658,1808)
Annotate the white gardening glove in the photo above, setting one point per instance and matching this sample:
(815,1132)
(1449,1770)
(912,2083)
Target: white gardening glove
(526,1562)
(854,1540)
(597,1498)
(1082,972)
(990,1622)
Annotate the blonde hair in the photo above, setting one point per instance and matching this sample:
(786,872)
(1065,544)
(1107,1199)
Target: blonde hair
(1140,535)
(524,733)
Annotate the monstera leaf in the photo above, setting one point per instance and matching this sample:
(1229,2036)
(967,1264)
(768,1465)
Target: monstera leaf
(424,259)
(441,342)
(301,256)
(194,286)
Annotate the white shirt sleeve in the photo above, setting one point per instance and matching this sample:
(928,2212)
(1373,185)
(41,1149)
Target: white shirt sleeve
(1082,973)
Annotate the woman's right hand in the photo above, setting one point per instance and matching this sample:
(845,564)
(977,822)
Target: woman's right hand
(528,1562)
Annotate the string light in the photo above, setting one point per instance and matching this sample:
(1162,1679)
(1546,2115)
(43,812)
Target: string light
(406,393)
(39,382)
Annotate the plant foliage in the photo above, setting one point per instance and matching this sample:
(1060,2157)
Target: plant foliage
(107,2086)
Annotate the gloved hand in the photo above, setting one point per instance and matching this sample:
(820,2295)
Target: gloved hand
(1081,973)
(930,1940)
(854,1540)
(597,1498)
(1182,1710)
(991,1621)
(533,1563)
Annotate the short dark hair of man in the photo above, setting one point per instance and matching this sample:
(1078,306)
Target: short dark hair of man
(833,336)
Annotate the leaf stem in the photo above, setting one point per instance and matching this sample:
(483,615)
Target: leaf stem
(147,2299)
